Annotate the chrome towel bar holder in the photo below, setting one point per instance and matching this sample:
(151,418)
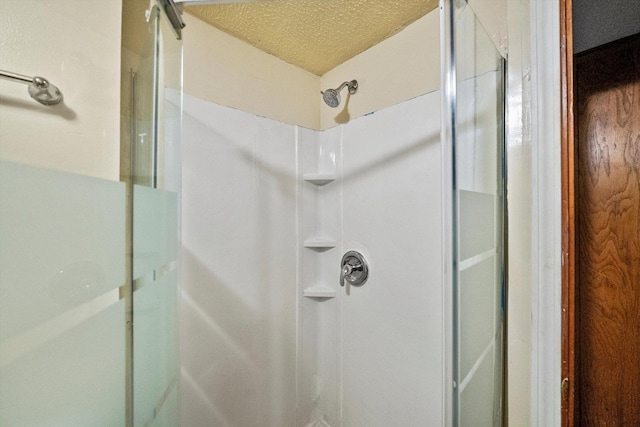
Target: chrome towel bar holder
(39,88)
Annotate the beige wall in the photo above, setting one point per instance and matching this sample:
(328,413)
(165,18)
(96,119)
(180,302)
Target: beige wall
(397,69)
(229,72)
(76,45)
(520,190)
(222,69)
(492,14)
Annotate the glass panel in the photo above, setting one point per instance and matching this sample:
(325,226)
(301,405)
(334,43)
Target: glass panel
(155,219)
(156,348)
(477,233)
(478,201)
(144,138)
(477,400)
(65,264)
(62,243)
(154,189)
(168,415)
(62,261)
(477,306)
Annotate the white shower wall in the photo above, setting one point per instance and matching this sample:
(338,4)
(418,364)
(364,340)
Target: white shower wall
(255,350)
(238,314)
(392,327)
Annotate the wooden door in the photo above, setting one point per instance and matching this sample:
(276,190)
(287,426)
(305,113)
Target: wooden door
(607,233)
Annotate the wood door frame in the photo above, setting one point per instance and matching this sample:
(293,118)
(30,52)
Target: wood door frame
(567,141)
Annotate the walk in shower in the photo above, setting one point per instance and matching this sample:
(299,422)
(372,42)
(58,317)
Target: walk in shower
(268,238)
(396,191)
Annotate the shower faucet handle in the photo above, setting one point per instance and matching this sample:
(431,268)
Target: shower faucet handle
(346,270)
(353,269)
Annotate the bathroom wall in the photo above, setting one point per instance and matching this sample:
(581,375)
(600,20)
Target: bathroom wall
(520,190)
(76,45)
(492,13)
(397,69)
(227,71)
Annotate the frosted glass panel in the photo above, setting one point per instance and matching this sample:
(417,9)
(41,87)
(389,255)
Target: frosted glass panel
(156,168)
(76,379)
(477,133)
(168,415)
(478,146)
(155,232)
(477,406)
(62,260)
(62,243)
(477,223)
(477,290)
(155,346)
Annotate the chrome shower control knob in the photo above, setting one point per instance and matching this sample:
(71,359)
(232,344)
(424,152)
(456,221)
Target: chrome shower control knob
(353,269)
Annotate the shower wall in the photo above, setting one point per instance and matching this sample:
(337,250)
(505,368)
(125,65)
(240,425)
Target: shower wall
(238,324)
(392,327)
(257,342)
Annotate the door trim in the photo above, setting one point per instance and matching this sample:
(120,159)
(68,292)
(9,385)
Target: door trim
(568,385)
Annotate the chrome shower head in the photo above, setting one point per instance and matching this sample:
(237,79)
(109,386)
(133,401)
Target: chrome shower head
(331,97)
(44,92)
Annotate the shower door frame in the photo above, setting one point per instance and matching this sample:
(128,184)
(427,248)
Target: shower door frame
(450,236)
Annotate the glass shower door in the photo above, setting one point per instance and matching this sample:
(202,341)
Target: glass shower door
(153,175)
(62,270)
(476,108)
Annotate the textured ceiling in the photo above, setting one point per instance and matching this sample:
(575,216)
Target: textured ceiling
(315,35)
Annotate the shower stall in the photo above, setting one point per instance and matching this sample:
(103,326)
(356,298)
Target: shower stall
(268,246)
(348,271)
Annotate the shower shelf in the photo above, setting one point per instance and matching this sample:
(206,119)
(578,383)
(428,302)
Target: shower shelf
(319,178)
(319,244)
(319,292)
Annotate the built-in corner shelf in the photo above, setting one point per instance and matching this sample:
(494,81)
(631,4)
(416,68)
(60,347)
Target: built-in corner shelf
(319,178)
(319,292)
(320,244)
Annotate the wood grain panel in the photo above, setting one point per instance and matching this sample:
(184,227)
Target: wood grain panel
(567,119)
(608,237)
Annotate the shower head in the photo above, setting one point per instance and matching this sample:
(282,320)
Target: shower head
(44,92)
(331,97)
